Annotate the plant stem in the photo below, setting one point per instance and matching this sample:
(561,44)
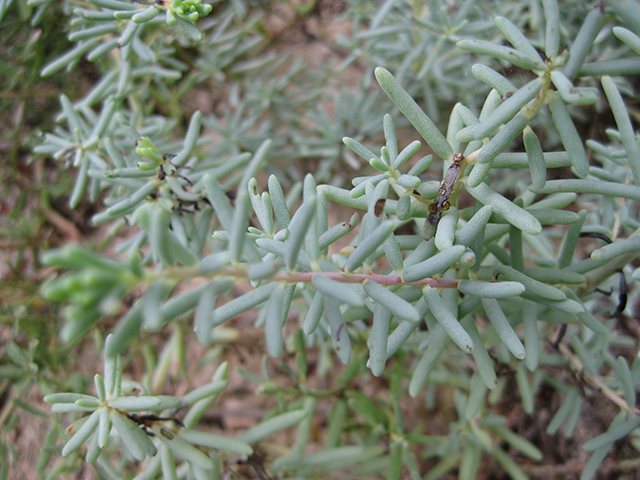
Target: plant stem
(597,381)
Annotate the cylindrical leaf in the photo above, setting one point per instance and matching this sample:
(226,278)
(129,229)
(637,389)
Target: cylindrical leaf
(404,208)
(470,462)
(359,149)
(517,39)
(298,229)
(446,229)
(475,400)
(593,464)
(369,245)
(274,424)
(337,231)
(343,292)
(390,136)
(569,136)
(503,327)
(516,216)
(70,408)
(438,341)
(613,434)
(314,314)
(169,470)
(135,404)
(537,167)
(502,140)
(135,199)
(571,94)
(242,303)
(408,152)
(214,263)
(339,458)
(446,319)
(193,133)
(67,397)
(531,285)
(104,428)
(182,449)
(628,37)
(507,109)
(126,331)
(627,133)
(571,402)
(337,421)
(474,227)
(378,339)
(410,109)
(211,388)
(484,362)
(103,122)
(159,236)
(274,322)
(531,336)
(593,23)
(398,306)
(500,52)
(624,376)
(493,79)
(433,265)
(394,255)
(82,434)
(421,165)
(220,442)
(81,180)
(596,187)
(526,392)
(554,276)
(490,290)
(338,329)
(69,58)
(517,442)
(239,228)
(125,428)
(552,28)
(615,249)
(112,371)
(219,201)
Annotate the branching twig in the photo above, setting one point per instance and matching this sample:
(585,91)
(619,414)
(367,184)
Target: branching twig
(597,381)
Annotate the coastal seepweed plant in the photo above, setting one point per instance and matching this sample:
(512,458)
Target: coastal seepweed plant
(112,409)
(471,272)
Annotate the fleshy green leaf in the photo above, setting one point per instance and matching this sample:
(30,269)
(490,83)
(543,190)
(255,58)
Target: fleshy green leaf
(275,424)
(410,109)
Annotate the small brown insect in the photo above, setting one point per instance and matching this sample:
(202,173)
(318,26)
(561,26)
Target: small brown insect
(378,209)
(506,96)
(441,203)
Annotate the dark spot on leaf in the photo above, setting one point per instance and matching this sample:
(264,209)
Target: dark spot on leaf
(339,332)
